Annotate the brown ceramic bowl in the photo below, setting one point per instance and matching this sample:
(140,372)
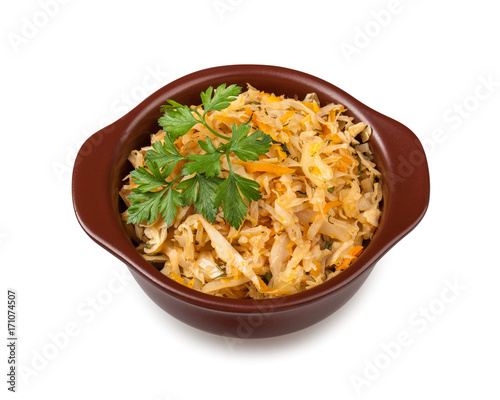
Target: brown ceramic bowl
(102,163)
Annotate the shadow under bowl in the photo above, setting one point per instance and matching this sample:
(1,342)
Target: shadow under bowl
(102,163)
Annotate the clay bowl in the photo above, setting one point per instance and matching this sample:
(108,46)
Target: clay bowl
(102,163)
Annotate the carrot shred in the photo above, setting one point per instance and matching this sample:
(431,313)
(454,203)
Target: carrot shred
(311,106)
(228,120)
(316,269)
(345,263)
(273,99)
(346,160)
(335,139)
(286,117)
(264,167)
(330,205)
(265,128)
(282,155)
(356,251)
(251,114)
(261,125)
(177,278)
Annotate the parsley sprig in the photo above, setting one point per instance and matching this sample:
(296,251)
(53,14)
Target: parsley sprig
(206,189)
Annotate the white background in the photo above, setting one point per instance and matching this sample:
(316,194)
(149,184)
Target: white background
(67,70)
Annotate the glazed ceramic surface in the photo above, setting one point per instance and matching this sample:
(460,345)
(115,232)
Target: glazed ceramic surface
(102,163)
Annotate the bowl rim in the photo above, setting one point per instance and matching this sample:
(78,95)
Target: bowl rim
(406,190)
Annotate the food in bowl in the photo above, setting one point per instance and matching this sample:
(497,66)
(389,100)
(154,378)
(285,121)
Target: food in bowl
(253,195)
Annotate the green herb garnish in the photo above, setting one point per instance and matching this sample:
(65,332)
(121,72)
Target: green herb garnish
(206,189)
(327,243)
(282,145)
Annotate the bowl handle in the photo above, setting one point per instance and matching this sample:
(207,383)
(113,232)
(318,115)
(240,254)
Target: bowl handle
(406,176)
(92,188)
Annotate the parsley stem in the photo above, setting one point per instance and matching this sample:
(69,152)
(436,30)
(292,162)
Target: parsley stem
(175,180)
(229,162)
(204,122)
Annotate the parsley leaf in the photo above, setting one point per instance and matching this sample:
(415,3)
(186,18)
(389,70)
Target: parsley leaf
(168,207)
(147,205)
(172,105)
(178,121)
(228,195)
(248,147)
(200,190)
(148,180)
(165,154)
(248,188)
(208,163)
(190,192)
(222,97)
(205,203)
